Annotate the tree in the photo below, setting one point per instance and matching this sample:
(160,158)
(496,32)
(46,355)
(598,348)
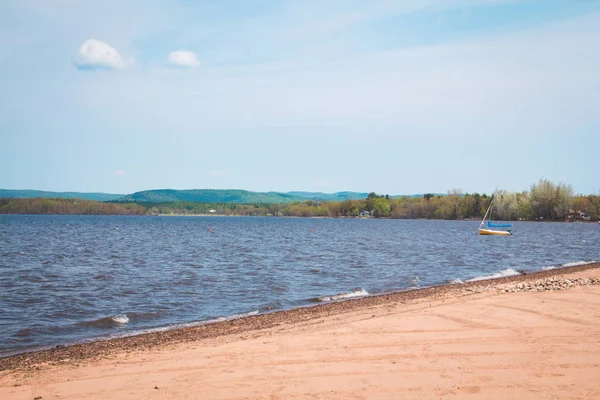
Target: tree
(455,197)
(370,200)
(381,208)
(506,205)
(564,194)
(550,201)
(466,207)
(476,205)
(594,206)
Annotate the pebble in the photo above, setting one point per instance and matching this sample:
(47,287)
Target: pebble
(543,285)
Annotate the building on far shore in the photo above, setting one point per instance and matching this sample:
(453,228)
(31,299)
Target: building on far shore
(577,216)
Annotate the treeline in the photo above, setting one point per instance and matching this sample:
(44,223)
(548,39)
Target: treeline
(544,201)
(68,206)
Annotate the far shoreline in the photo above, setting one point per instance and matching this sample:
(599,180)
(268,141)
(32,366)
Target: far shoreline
(298,217)
(144,341)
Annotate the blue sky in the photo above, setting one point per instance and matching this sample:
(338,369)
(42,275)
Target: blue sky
(396,97)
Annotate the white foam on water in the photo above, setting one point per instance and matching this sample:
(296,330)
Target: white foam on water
(570,264)
(229,318)
(183,325)
(456,281)
(512,272)
(501,274)
(360,292)
(106,322)
(209,321)
(576,263)
(416,281)
(120,319)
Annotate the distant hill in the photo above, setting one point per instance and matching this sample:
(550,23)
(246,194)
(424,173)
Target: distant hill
(32,194)
(338,196)
(195,196)
(235,196)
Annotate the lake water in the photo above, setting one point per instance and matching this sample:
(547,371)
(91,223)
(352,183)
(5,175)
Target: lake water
(66,279)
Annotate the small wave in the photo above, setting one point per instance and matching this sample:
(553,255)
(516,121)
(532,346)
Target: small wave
(456,281)
(230,317)
(34,278)
(107,322)
(40,330)
(576,263)
(570,264)
(25,332)
(358,292)
(144,316)
(210,321)
(189,324)
(34,300)
(416,282)
(120,319)
(501,274)
(194,265)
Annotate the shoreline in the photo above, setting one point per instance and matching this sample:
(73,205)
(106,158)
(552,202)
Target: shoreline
(593,222)
(153,340)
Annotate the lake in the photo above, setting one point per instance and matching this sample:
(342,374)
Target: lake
(68,279)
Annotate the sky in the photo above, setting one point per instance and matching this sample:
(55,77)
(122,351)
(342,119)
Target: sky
(391,96)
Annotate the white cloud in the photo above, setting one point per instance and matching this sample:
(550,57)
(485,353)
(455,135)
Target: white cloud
(119,172)
(182,58)
(94,54)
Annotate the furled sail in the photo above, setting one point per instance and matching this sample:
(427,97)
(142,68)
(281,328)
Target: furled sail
(493,225)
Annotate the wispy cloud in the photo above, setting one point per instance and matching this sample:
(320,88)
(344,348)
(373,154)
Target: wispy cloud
(95,54)
(183,59)
(119,172)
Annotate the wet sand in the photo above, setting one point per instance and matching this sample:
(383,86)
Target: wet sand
(528,337)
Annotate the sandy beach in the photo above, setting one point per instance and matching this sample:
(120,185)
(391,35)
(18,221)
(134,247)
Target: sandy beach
(533,336)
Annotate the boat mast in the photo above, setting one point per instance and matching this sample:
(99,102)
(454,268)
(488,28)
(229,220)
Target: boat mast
(487,212)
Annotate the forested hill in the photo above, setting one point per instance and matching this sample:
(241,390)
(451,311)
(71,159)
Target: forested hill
(194,195)
(235,196)
(339,196)
(32,194)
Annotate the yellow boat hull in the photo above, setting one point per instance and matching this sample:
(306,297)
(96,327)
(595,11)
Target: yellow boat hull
(492,232)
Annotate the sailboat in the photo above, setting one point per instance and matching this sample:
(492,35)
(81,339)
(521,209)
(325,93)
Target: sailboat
(484,228)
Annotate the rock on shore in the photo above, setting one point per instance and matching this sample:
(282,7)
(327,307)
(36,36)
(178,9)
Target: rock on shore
(541,285)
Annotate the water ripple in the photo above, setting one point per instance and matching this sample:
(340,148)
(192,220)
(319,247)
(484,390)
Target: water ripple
(72,278)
